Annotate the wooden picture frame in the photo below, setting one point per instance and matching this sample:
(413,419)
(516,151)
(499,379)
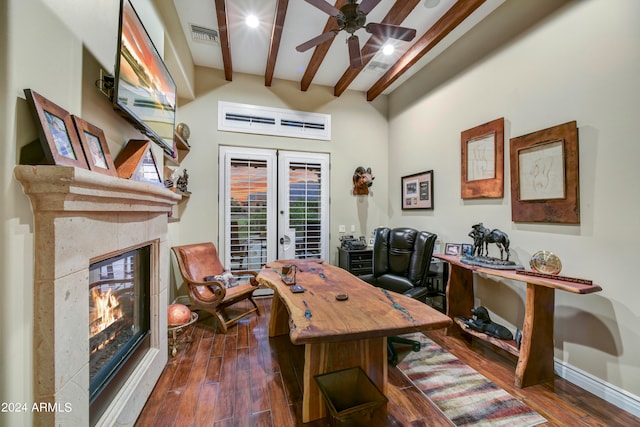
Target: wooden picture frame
(453,249)
(417,191)
(137,162)
(95,147)
(545,176)
(60,143)
(483,161)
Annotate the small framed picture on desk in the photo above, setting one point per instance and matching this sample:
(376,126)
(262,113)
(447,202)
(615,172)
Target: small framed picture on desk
(453,249)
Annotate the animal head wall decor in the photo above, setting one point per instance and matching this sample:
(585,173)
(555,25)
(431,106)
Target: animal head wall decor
(362,180)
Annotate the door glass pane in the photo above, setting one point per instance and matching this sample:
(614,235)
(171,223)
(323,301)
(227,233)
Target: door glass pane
(305,214)
(248,214)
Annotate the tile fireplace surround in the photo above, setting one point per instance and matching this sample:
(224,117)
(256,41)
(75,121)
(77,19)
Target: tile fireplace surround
(80,215)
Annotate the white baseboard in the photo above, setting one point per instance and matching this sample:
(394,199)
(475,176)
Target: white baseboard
(609,392)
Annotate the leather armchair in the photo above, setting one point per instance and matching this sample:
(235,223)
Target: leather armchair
(401,261)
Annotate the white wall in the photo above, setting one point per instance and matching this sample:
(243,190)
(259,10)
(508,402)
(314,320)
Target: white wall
(359,138)
(581,62)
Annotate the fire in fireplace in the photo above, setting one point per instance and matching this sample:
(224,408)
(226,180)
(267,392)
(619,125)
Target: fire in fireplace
(118,320)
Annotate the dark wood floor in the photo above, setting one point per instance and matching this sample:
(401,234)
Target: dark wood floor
(244,378)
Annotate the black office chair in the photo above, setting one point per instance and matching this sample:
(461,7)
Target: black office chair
(401,261)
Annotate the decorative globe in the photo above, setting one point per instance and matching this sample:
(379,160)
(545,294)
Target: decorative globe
(178,314)
(183,130)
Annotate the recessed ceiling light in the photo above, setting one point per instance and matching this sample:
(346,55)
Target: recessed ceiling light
(388,49)
(252,21)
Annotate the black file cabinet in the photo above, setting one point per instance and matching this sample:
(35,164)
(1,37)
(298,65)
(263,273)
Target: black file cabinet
(356,262)
(437,285)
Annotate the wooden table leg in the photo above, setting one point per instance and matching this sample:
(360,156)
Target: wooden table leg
(279,320)
(459,295)
(535,363)
(370,354)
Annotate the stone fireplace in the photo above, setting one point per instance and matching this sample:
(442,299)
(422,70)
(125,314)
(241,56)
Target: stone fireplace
(80,216)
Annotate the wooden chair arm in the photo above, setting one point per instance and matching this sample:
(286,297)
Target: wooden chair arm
(217,288)
(252,280)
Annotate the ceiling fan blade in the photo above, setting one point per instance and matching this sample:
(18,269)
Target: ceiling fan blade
(316,41)
(367,5)
(324,6)
(355,58)
(393,31)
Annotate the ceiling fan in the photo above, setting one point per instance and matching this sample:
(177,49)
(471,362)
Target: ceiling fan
(352,17)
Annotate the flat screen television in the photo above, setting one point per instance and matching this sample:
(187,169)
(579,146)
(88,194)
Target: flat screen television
(144,91)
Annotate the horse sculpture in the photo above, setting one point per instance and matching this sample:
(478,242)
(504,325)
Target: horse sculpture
(483,236)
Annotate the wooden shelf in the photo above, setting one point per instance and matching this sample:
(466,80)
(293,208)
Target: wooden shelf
(509,346)
(170,165)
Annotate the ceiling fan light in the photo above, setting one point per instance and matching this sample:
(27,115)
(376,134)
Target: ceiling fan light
(252,21)
(388,49)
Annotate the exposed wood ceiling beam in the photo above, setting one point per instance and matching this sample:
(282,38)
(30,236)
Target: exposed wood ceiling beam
(399,11)
(274,44)
(454,16)
(223,28)
(320,51)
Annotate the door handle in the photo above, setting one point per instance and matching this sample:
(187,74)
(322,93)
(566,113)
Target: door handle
(282,240)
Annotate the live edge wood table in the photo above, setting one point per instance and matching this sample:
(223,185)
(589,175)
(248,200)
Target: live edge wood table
(535,356)
(340,334)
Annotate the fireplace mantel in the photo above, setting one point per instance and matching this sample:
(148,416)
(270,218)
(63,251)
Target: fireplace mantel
(80,215)
(62,188)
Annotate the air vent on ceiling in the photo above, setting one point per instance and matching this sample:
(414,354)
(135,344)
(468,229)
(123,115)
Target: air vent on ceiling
(377,66)
(246,118)
(204,35)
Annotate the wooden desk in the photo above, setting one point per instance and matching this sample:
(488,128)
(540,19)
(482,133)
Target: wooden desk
(340,334)
(535,356)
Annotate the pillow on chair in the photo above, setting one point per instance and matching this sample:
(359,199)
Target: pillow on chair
(227,279)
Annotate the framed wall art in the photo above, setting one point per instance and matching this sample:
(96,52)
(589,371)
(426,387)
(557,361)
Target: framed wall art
(545,175)
(417,191)
(483,161)
(137,162)
(58,136)
(95,147)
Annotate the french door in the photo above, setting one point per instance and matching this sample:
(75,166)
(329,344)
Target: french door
(274,204)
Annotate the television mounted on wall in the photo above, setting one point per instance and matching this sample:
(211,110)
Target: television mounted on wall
(144,91)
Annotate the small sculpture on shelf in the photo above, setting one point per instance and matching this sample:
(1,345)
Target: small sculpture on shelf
(481,322)
(482,236)
(183,182)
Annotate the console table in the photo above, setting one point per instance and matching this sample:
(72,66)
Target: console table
(535,355)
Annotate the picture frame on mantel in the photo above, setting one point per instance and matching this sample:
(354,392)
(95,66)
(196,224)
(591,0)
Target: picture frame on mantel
(417,191)
(137,162)
(483,161)
(545,176)
(95,147)
(57,133)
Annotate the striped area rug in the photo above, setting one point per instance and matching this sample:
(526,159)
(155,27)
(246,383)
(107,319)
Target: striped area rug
(465,396)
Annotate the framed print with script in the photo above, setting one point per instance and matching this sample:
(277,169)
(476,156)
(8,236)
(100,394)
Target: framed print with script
(483,161)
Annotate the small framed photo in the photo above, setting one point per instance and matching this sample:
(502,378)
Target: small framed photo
(58,135)
(417,191)
(95,147)
(467,249)
(453,249)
